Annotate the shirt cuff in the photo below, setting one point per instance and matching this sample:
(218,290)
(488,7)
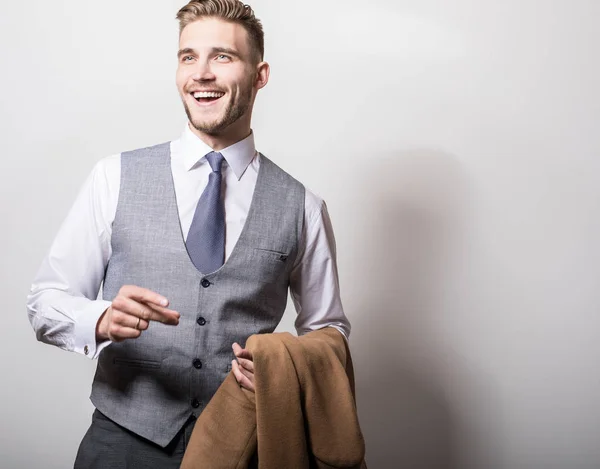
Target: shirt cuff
(342,331)
(85,330)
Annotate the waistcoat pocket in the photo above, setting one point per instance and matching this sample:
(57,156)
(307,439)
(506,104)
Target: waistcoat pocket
(267,265)
(136,363)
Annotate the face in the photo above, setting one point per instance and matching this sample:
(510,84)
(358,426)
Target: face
(217,77)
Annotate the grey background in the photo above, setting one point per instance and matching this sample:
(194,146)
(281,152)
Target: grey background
(456,145)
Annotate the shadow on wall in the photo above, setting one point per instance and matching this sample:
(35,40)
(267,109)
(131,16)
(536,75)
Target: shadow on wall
(407,245)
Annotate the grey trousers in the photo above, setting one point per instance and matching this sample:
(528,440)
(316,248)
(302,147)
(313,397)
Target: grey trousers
(107,445)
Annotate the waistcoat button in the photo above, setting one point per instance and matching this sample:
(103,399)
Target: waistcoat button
(201,321)
(197,364)
(205,283)
(195,403)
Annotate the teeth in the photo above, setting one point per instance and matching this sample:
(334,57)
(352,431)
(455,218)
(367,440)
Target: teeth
(208,94)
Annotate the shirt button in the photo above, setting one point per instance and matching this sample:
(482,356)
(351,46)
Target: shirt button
(86,350)
(197,364)
(195,403)
(205,283)
(201,321)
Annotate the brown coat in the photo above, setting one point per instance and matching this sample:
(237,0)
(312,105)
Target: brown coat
(303,415)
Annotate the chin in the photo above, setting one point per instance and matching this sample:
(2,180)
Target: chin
(212,127)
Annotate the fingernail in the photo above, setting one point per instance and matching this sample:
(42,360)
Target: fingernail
(164,302)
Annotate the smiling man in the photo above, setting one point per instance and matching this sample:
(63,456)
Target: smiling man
(195,243)
(218,94)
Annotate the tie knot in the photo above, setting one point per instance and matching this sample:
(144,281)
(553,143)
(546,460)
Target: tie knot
(215,160)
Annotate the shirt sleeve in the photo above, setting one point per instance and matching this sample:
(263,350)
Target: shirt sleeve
(314,283)
(63,304)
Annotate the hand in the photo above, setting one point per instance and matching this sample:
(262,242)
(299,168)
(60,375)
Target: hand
(243,368)
(131,312)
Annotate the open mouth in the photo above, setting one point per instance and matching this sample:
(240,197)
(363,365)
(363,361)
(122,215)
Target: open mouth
(207,97)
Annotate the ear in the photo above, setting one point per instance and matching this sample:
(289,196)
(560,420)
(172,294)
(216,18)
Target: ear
(263,70)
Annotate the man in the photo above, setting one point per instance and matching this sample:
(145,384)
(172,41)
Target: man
(195,243)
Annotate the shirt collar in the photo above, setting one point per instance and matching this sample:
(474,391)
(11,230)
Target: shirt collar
(238,156)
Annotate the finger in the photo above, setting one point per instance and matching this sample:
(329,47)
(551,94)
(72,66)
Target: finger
(128,320)
(164,315)
(242,379)
(118,333)
(247,374)
(240,352)
(144,295)
(246,364)
(127,311)
(144,311)
(142,325)
(137,323)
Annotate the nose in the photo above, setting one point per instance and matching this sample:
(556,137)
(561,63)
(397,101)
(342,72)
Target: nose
(203,72)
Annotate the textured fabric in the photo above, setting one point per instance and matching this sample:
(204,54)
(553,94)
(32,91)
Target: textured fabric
(206,238)
(106,445)
(302,416)
(152,385)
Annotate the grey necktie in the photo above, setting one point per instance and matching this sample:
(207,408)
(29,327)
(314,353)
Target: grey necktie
(206,239)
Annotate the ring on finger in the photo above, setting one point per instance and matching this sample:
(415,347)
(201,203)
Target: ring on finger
(137,326)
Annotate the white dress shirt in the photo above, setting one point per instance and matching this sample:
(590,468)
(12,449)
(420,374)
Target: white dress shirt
(63,304)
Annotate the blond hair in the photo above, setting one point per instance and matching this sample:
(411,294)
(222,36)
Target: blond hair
(229,10)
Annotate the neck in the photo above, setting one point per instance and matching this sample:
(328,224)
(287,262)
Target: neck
(224,139)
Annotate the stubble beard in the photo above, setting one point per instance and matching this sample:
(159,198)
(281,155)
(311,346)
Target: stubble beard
(235,109)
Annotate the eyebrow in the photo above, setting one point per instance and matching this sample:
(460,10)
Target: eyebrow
(214,50)
(185,52)
(226,50)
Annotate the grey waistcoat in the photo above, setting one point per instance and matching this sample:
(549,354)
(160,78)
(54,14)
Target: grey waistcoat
(153,384)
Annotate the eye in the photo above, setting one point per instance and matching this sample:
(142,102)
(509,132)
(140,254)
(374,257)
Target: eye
(223,58)
(187,58)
